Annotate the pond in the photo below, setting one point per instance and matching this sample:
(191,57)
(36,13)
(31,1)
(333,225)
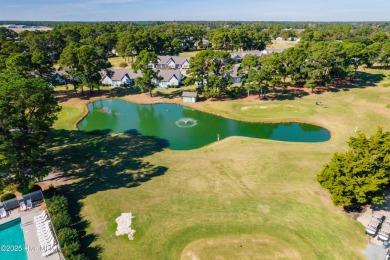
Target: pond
(182,128)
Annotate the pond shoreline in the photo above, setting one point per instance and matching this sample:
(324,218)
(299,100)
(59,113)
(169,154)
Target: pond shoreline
(163,122)
(158,100)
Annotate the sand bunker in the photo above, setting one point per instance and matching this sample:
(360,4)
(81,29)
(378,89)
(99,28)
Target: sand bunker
(124,225)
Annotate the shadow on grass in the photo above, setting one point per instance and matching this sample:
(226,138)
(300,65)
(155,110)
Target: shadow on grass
(99,163)
(122,91)
(363,80)
(171,95)
(65,95)
(290,94)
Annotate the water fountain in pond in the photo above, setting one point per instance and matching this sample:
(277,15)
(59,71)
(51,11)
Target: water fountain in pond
(186,122)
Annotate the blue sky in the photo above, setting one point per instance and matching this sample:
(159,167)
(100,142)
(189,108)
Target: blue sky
(152,10)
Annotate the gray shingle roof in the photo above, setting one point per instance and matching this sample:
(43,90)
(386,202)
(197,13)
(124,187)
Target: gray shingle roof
(242,54)
(118,74)
(180,60)
(168,74)
(189,94)
(176,59)
(273,50)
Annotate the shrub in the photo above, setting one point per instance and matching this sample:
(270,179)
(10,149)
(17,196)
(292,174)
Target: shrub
(67,235)
(80,257)
(123,65)
(70,249)
(388,105)
(57,205)
(68,238)
(61,221)
(7,196)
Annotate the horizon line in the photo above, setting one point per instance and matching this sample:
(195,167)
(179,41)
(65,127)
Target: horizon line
(247,21)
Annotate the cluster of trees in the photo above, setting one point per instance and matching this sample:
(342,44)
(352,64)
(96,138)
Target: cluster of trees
(308,64)
(360,175)
(150,77)
(239,38)
(166,39)
(211,70)
(27,111)
(68,237)
(83,64)
(27,108)
(311,64)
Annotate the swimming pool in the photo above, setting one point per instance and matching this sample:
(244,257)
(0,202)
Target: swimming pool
(12,241)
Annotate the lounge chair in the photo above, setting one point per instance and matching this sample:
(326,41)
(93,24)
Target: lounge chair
(384,233)
(46,239)
(49,240)
(50,251)
(41,220)
(48,246)
(3,213)
(41,225)
(43,230)
(372,227)
(40,216)
(29,204)
(22,205)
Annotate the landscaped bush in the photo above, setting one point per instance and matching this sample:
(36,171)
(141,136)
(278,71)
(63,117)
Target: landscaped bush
(57,204)
(123,65)
(61,221)
(68,237)
(7,196)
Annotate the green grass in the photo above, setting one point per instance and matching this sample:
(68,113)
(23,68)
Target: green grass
(188,53)
(259,194)
(115,61)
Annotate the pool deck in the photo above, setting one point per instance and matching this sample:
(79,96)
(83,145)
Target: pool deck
(30,232)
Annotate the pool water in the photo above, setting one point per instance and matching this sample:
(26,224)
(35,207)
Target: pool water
(12,245)
(183,128)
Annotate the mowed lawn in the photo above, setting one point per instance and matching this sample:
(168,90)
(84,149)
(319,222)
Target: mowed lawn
(116,61)
(240,198)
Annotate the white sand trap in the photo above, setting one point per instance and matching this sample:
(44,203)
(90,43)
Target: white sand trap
(124,225)
(254,107)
